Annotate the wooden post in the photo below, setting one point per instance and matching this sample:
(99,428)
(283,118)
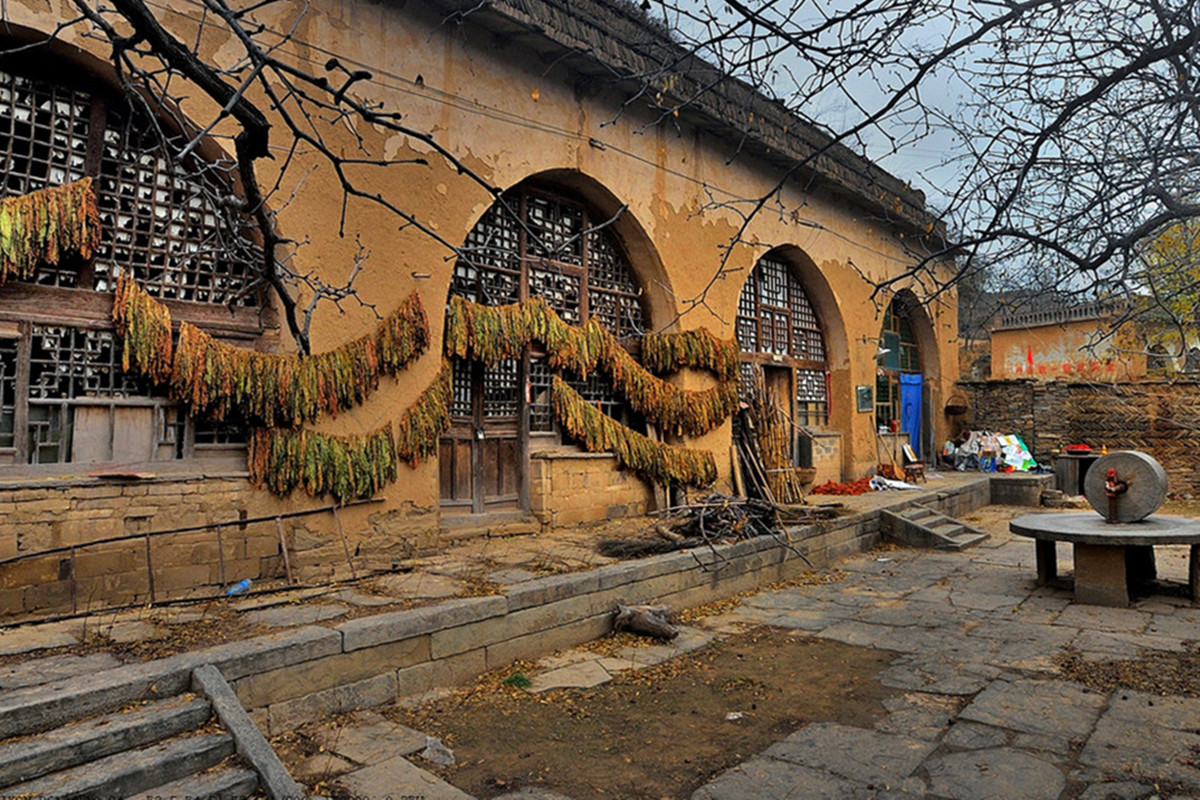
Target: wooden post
(287,559)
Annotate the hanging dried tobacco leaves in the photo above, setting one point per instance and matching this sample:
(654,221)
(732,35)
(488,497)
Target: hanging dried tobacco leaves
(347,467)
(423,423)
(491,333)
(597,432)
(698,349)
(144,325)
(43,226)
(220,381)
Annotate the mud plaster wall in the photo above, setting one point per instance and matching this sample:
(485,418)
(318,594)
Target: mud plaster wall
(1064,350)
(1159,418)
(509,116)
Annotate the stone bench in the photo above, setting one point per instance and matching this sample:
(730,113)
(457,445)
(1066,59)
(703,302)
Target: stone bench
(1109,559)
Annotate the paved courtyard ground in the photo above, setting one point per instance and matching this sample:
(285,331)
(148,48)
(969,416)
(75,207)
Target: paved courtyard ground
(997,689)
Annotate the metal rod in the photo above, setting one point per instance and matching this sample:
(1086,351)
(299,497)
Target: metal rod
(221,553)
(287,560)
(74,587)
(149,570)
(345,547)
(188,529)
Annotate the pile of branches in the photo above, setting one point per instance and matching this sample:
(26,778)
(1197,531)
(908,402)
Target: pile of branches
(715,519)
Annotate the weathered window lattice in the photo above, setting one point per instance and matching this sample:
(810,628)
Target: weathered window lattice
(63,396)
(532,244)
(776,324)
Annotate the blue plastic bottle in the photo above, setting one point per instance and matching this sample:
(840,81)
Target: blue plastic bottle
(239,587)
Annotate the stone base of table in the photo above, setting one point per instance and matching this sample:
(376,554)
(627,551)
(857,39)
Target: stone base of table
(1110,560)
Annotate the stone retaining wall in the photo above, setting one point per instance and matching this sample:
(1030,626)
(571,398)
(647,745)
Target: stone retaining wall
(76,513)
(567,488)
(374,660)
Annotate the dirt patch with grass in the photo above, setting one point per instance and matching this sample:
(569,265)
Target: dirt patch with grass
(658,733)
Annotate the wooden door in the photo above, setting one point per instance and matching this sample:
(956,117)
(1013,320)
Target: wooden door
(481,457)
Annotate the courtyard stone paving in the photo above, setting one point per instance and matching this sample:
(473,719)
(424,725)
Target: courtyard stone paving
(984,712)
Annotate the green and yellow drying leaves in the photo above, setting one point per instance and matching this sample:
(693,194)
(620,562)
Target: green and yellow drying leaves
(220,381)
(347,467)
(491,333)
(423,423)
(43,226)
(144,325)
(598,432)
(698,349)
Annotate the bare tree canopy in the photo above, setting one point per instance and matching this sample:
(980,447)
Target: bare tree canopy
(1070,130)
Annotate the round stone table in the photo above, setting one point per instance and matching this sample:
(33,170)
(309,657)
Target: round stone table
(1109,558)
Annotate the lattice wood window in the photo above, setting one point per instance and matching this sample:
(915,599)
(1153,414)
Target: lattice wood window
(535,244)
(158,218)
(531,244)
(776,324)
(63,396)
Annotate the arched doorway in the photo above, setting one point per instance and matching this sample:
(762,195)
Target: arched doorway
(536,241)
(781,339)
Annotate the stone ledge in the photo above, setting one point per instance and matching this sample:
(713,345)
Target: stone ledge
(397,625)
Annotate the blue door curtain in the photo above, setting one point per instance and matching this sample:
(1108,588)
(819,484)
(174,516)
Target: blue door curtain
(910,409)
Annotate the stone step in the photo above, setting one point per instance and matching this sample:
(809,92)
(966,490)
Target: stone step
(967,538)
(131,772)
(88,740)
(915,513)
(222,784)
(948,528)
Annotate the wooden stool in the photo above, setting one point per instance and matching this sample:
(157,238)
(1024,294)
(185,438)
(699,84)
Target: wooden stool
(914,472)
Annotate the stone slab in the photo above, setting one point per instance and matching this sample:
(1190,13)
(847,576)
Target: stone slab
(30,639)
(996,774)
(583,675)
(767,778)
(294,615)
(396,778)
(1089,528)
(1049,708)
(417,586)
(370,741)
(855,753)
(52,668)
(381,628)
(250,743)
(974,736)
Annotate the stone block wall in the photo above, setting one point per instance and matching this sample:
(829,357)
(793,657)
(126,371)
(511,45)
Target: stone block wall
(80,514)
(567,488)
(827,456)
(1160,418)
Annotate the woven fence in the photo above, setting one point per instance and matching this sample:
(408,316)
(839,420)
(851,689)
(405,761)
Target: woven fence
(1157,417)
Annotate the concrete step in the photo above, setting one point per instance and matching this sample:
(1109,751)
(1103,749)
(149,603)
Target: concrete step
(222,784)
(88,740)
(918,513)
(131,772)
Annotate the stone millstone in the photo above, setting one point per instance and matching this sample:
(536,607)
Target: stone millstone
(1147,485)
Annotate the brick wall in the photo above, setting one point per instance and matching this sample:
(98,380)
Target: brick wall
(1157,417)
(567,488)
